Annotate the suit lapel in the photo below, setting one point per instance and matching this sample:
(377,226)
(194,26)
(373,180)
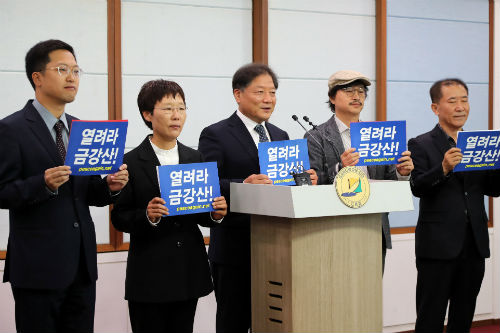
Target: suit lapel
(440,140)
(332,134)
(185,154)
(239,131)
(40,130)
(273,135)
(149,161)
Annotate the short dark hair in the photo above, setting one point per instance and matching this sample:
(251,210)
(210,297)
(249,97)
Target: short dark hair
(153,92)
(333,92)
(436,92)
(38,56)
(246,74)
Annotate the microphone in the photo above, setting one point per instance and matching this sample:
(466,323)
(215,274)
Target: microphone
(325,163)
(306,118)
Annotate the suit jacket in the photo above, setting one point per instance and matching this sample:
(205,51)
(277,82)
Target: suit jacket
(325,147)
(168,262)
(47,231)
(230,145)
(448,203)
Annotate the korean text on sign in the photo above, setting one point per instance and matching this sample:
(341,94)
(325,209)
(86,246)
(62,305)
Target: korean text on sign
(278,158)
(96,147)
(189,188)
(480,150)
(378,142)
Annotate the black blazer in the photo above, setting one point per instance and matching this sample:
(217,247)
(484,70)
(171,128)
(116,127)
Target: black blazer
(168,262)
(230,145)
(46,231)
(447,204)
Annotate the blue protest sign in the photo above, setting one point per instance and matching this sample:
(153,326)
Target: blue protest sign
(96,147)
(479,149)
(189,188)
(278,158)
(378,142)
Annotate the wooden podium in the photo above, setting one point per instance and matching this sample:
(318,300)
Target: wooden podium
(316,263)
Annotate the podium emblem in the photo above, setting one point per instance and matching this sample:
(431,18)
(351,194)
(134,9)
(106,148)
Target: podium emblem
(352,187)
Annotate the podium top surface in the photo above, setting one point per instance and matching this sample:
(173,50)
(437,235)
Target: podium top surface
(316,201)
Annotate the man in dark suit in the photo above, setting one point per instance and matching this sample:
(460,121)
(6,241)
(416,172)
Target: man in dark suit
(51,254)
(451,237)
(232,143)
(167,265)
(330,143)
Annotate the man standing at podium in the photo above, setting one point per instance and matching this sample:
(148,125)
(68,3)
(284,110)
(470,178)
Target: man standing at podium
(451,237)
(232,143)
(330,143)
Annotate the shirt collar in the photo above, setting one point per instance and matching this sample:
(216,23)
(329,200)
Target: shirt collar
(342,127)
(163,152)
(249,123)
(48,117)
(451,141)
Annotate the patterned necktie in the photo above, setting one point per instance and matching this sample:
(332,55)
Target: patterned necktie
(262,133)
(59,126)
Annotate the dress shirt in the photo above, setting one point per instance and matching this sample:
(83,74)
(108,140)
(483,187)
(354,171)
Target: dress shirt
(168,157)
(250,125)
(345,134)
(50,121)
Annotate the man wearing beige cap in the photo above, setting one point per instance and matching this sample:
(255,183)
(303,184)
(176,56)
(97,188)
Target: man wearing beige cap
(330,143)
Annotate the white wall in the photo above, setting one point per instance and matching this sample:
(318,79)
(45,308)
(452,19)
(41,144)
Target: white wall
(308,42)
(302,51)
(82,24)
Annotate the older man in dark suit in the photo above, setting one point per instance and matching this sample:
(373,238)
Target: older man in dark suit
(451,238)
(330,143)
(51,254)
(232,143)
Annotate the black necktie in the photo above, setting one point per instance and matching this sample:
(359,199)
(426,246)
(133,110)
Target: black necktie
(59,126)
(262,133)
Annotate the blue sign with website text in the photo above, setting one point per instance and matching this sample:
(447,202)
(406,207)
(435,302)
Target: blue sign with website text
(96,147)
(378,142)
(278,158)
(189,188)
(480,150)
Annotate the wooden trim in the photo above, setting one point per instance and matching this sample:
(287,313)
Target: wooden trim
(402,230)
(114,96)
(491,66)
(381,59)
(260,31)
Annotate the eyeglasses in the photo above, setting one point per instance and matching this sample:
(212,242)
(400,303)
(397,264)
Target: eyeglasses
(350,91)
(65,70)
(169,110)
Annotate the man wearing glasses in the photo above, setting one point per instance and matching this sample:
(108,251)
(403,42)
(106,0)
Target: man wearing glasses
(51,259)
(347,92)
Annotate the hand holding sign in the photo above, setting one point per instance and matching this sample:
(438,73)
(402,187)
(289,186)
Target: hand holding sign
(349,157)
(118,180)
(258,179)
(55,177)
(405,164)
(220,208)
(451,158)
(156,209)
